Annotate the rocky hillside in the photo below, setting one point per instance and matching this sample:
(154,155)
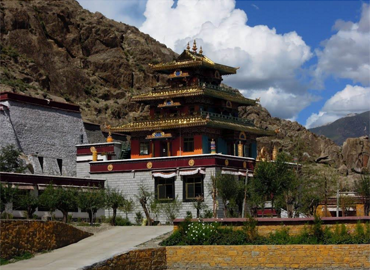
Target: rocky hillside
(56,49)
(351,126)
(350,159)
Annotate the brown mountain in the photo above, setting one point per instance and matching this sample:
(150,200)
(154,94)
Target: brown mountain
(351,126)
(55,48)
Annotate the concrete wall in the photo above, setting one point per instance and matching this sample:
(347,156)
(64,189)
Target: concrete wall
(44,132)
(129,183)
(20,236)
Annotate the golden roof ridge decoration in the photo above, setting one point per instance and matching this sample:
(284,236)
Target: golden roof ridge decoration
(190,59)
(169,123)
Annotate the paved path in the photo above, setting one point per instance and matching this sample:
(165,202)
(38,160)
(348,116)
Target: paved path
(91,250)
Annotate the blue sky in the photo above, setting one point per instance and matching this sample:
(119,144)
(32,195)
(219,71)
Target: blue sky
(309,61)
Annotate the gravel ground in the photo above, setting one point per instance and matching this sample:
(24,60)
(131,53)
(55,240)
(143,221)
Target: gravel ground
(154,242)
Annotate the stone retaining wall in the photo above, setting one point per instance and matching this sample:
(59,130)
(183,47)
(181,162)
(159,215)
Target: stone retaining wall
(143,259)
(242,257)
(20,236)
(269,257)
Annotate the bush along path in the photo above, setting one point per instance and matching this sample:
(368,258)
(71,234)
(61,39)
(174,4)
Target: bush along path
(199,233)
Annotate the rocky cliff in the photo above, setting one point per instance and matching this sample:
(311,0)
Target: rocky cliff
(351,126)
(352,158)
(56,49)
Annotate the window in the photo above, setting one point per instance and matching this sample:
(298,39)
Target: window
(188,144)
(41,161)
(144,148)
(164,189)
(193,187)
(60,165)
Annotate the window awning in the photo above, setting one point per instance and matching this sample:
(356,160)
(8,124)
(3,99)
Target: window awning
(192,172)
(164,174)
(23,186)
(235,172)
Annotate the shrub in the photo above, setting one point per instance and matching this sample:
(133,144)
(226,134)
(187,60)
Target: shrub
(138,218)
(120,221)
(199,233)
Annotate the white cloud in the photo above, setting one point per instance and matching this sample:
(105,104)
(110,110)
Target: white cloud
(267,60)
(280,103)
(126,11)
(352,99)
(347,53)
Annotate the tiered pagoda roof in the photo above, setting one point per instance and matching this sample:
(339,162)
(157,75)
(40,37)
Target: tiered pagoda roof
(205,89)
(192,59)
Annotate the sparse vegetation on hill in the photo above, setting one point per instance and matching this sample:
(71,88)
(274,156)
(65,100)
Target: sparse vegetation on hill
(56,49)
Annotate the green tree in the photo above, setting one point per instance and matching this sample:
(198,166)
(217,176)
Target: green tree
(317,184)
(30,202)
(230,190)
(362,187)
(114,199)
(91,201)
(145,197)
(63,199)
(7,195)
(127,207)
(10,161)
(275,181)
(171,209)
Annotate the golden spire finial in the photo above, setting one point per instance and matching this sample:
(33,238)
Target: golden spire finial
(188,47)
(194,46)
(201,50)
(109,138)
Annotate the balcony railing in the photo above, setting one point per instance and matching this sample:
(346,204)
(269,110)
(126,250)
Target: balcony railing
(227,118)
(202,85)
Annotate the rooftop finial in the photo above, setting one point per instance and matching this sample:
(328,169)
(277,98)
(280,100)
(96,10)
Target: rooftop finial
(201,50)
(188,47)
(195,46)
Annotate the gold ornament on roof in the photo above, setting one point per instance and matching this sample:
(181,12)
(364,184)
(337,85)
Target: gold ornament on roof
(201,50)
(109,138)
(188,47)
(195,46)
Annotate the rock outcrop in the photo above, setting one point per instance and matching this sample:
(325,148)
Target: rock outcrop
(356,153)
(292,138)
(56,49)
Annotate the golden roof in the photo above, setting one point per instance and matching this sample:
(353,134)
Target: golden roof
(195,91)
(193,59)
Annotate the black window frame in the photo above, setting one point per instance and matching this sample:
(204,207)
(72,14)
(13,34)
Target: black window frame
(192,180)
(188,144)
(164,182)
